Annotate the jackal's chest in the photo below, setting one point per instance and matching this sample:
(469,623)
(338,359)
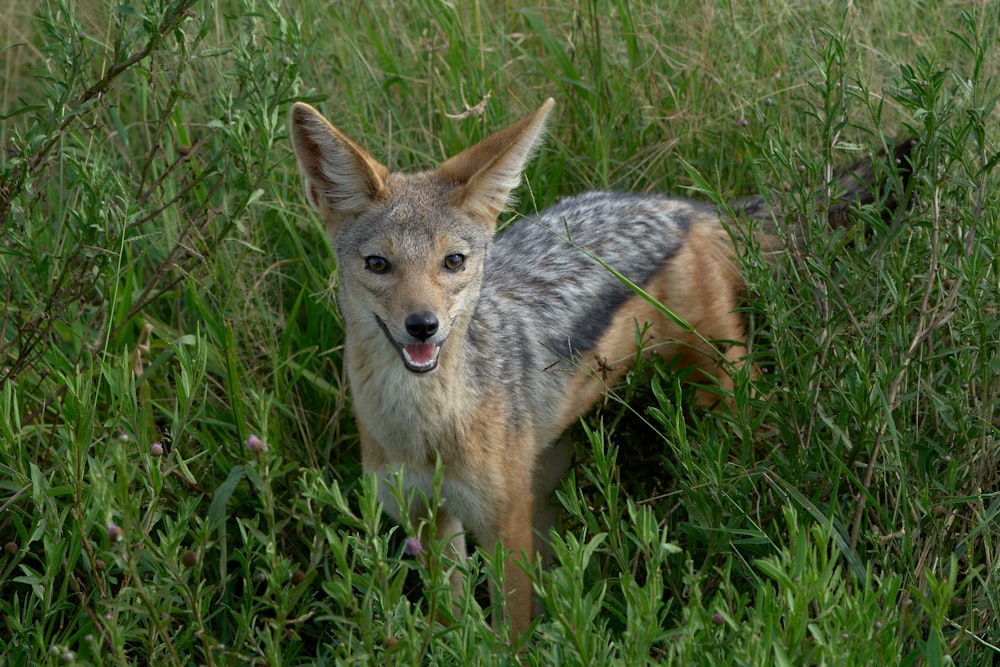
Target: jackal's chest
(413,418)
(410,429)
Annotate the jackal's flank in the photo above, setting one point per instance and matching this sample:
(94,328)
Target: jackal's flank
(480,352)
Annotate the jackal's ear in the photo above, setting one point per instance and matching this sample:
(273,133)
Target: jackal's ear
(491,169)
(340,178)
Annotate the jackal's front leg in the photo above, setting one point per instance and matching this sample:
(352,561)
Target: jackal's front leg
(449,530)
(517,537)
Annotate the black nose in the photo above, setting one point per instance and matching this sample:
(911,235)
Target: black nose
(422,325)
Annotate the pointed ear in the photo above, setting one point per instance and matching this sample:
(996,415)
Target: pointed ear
(491,169)
(340,178)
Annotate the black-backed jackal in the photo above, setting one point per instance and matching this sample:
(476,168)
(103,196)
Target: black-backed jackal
(480,351)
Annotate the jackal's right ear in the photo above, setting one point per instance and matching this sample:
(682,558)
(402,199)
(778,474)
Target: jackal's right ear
(340,178)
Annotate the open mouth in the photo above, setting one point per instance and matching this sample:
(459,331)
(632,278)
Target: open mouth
(417,357)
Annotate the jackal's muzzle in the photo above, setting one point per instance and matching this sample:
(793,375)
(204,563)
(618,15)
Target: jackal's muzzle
(420,357)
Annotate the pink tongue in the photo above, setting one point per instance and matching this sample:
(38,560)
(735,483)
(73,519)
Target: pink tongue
(420,354)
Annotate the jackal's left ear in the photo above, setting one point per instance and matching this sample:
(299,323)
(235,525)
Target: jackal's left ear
(340,178)
(491,169)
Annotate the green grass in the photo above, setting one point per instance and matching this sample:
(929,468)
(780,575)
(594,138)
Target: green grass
(162,281)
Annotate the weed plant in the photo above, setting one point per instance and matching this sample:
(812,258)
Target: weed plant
(179,471)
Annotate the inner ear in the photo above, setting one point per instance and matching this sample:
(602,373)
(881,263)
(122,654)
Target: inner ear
(314,196)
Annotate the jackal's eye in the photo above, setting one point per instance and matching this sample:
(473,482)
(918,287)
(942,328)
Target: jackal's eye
(376,264)
(454,262)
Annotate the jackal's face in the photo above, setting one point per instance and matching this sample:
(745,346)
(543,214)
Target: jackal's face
(413,267)
(410,248)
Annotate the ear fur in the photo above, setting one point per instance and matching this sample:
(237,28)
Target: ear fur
(491,169)
(340,178)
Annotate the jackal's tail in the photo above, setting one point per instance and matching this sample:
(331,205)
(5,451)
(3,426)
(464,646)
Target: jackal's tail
(869,181)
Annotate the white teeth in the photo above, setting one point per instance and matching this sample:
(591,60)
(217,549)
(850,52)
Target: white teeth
(421,365)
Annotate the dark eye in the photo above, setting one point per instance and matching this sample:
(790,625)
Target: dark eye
(454,262)
(376,264)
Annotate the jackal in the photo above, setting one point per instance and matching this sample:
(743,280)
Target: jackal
(479,351)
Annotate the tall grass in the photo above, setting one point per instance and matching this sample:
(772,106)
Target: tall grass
(179,472)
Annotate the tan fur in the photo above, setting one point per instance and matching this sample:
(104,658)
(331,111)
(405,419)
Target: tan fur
(701,286)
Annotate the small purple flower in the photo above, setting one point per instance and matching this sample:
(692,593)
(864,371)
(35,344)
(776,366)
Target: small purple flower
(156,449)
(255,444)
(412,546)
(115,533)
(718,619)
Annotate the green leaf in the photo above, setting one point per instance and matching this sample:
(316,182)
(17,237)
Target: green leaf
(217,510)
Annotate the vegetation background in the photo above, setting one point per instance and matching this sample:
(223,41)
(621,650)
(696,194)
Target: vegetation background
(166,298)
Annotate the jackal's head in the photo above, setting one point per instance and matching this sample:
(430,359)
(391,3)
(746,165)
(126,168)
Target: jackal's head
(410,247)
